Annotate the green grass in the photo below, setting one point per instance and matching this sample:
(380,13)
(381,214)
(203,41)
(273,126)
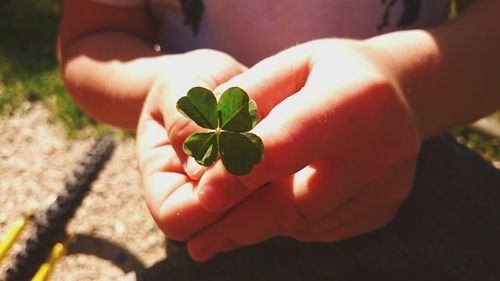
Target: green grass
(453,9)
(488,147)
(28,62)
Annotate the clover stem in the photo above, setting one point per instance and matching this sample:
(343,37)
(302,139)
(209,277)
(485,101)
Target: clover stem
(217,136)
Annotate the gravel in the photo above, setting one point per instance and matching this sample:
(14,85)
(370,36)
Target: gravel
(113,232)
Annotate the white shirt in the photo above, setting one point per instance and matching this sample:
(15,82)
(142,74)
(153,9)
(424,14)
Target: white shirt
(254,29)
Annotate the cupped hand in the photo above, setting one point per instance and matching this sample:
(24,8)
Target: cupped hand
(169,177)
(340,147)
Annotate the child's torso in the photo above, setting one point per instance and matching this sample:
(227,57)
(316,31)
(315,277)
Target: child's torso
(252,30)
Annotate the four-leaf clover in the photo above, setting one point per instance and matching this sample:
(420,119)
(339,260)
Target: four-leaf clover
(230,118)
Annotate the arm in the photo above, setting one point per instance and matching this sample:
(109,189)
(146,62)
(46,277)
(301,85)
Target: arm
(109,82)
(449,74)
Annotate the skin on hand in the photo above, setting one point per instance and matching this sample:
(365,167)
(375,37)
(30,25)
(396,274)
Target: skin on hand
(339,134)
(345,119)
(349,173)
(350,147)
(169,176)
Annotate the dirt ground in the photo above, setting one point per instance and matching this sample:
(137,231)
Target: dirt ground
(113,231)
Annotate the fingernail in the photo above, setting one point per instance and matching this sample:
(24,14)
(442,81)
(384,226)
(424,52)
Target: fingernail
(193,168)
(212,198)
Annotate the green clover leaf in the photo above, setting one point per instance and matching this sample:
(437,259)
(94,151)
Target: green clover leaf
(236,112)
(202,146)
(240,151)
(201,106)
(231,118)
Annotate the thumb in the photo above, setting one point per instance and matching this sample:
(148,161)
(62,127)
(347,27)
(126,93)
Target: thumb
(177,126)
(216,67)
(294,133)
(278,85)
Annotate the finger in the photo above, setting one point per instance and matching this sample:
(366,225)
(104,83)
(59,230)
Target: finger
(294,133)
(177,126)
(319,118)
(181,215)
(256,219)
(162,173)
(167,190)
(203,68)
(273,79)
(287,208)
(337,209)
(151,133)
(368,224)
(171,202)
(157,188)
(154,152)
(354,218)
(357,216)
(173,205)
(160,159)
(268,83)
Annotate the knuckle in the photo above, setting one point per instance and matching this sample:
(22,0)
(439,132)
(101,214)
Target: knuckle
(277,163)
(295,224)
(230,243)
(176,235)
(147,162)
(173,229)
(230,237)
(179,127)
(141,159)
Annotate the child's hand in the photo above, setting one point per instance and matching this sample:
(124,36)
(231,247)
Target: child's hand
(168,176)
(340,145)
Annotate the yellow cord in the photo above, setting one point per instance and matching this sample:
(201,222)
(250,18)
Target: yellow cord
(47,268)
(13,235)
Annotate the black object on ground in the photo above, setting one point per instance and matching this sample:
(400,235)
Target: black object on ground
(49,226)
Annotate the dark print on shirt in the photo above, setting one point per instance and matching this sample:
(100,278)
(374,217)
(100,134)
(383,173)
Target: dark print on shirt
(193,10)
(411,12)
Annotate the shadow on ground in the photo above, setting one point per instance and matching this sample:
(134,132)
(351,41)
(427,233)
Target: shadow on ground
(107,250)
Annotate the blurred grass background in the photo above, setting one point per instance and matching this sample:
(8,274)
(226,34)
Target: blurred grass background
(29,71)
(28,62)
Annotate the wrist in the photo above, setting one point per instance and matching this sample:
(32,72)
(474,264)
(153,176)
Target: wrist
(409,57)
(449,74)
